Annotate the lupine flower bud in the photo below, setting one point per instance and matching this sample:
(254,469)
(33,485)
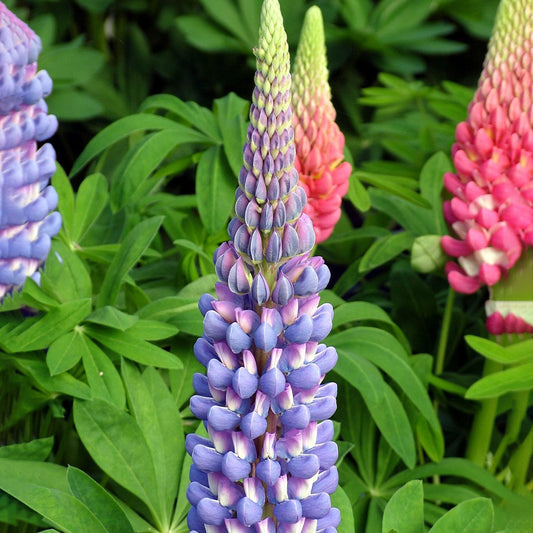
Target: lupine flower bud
(319,142)
(491,211)
(268,466)
(26,199)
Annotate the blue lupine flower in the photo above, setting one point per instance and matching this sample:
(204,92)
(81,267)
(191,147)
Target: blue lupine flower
(26,199)
(269,464)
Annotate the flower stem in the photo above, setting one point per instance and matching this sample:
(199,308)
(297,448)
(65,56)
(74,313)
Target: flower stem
(481,432)
(445,330)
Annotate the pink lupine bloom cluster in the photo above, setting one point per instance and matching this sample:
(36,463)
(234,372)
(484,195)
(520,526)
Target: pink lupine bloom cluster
(319,142)
(491,211)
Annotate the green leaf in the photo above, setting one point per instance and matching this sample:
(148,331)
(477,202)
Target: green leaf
(357,311)
(133,247)
(35,450)
(112,318)
(133,348)
(65,194)
(231,116)
(120,129)
(62,383)
(340,500)
(144,158)
(73,104)
(383,404)
(98,500)
(385,249)
(427,254)
(91,198)
(103,377)
(206,36)
(472,516)
(38,333)
(64,353)
(215,189)
(508,355)
(42,487)
(65,275)
(358,195)
(189,245)
(195,115)
(117,445)
(380,348)
(158,417)
(153,330)
(431,185)
(514,379)
(404,512)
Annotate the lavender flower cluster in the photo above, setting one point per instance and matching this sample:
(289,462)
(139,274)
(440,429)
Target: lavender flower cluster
(269,462)
(26,200)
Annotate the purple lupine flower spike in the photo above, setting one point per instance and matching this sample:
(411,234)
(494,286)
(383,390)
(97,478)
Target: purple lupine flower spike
(269,463)
(26,199)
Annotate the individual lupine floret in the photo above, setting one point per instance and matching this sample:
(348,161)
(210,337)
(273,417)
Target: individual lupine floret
(319,142)
(491,210)
(269,463)
(26,199)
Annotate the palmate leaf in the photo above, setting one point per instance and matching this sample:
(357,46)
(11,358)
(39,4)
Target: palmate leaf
(383,404)
(383,350)
(156,413)
(404,512)
(118,446)
(124,127)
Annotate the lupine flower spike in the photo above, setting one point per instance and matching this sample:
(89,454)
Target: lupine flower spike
(26,200)
(319,142)
(269,462)
(491,210)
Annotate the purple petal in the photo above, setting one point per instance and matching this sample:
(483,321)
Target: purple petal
(288,511)
(289,241)
(207,459)
(325,431)
(300,331)
(296,417)
(242,239)
(260,289)
(327,454)
(265,337)
(253,425)
(204,303)
(239,279)
(196,492)
(322,408)
(324,275)
(307,283)
(272,382)
(255,246)
(268,471)
(249,512)
(327,481)
(222,418)
(237,339)
(201,406)
(273,250)
(244,383)
(306,233)
(195,474)
(194,522)
(332,519)
(193,439)
(326,360)
(316,506)
(215,326)
(211,512)
(219,376)
(267,216)
(200,384)
(303,466)
(235,468)
(283,290)
(280,216)
(251,214)
(305,377)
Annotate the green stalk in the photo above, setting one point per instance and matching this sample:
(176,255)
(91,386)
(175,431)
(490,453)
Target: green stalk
(519,463)
(444,332)
(481,433)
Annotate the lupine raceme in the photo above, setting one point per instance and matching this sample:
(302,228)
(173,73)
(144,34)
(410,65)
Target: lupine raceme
(319,142)
(269,462)
(26,199)
(491,210)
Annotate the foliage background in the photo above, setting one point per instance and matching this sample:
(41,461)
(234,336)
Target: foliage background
(96,363)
